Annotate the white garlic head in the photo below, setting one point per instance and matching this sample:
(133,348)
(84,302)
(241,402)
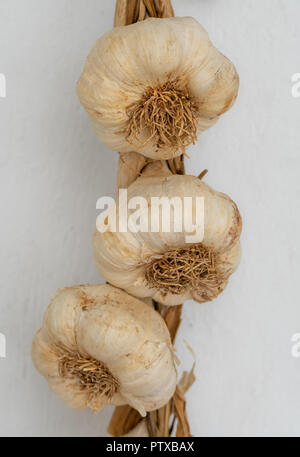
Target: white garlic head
(98,345)
(163,265)
(154,86)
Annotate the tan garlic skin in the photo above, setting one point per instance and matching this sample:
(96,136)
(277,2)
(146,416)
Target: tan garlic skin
(105,324)
(122,258)
(140,430)
(127,61)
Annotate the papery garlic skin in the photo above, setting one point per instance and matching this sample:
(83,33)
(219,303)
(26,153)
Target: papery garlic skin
(122,258)
(129,60)
(104,324)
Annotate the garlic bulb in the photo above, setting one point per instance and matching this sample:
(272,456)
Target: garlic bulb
(164,265)
(153,86)
(99,346)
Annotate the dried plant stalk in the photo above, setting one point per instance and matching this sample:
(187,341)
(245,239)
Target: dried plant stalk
(95,378)
(160,423)
(123,420)
(131,11)
(130,167)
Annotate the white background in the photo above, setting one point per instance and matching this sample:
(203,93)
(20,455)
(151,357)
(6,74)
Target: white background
(53,170)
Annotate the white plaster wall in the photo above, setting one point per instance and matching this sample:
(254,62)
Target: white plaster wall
(53,169)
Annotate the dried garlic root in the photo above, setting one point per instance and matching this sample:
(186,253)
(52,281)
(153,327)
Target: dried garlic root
(99,346)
